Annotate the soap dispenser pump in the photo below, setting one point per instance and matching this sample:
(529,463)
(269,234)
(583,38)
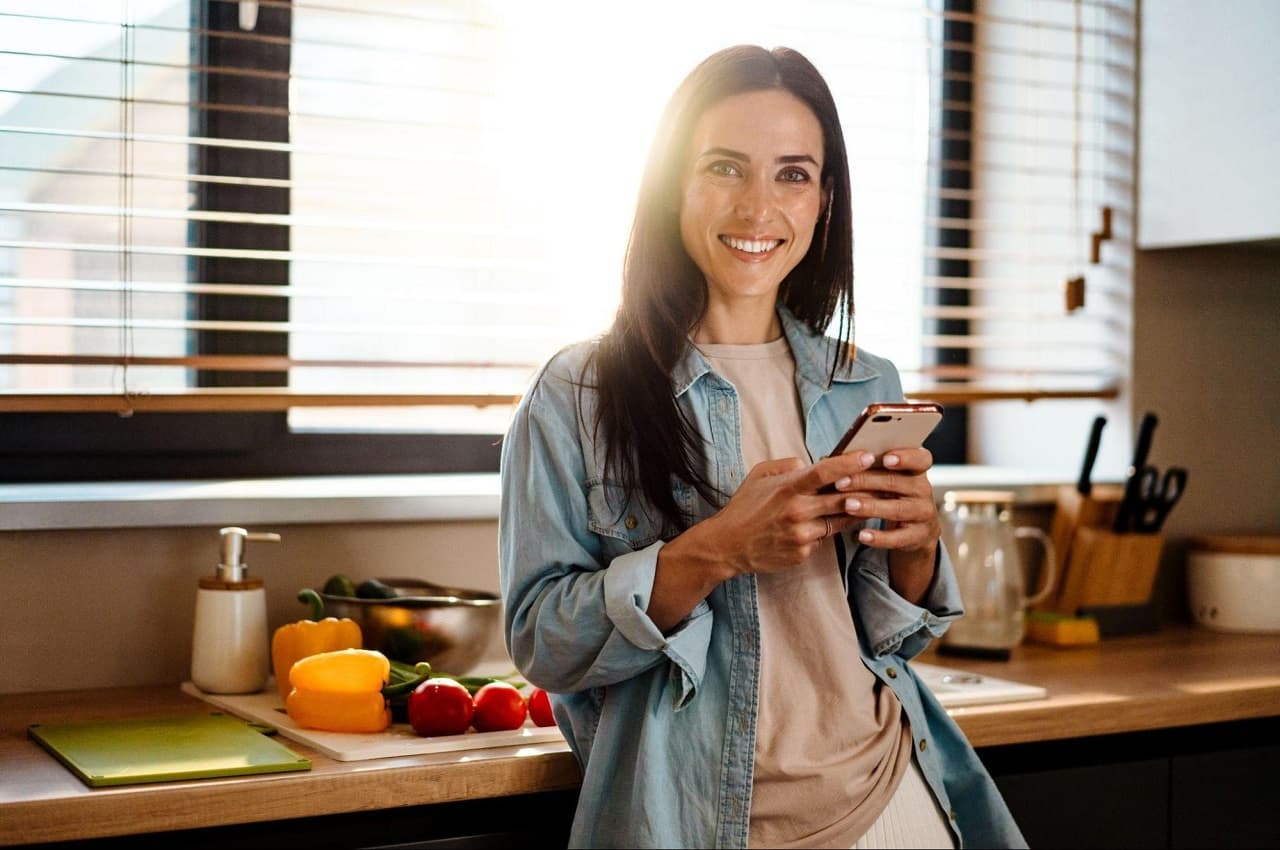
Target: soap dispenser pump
(229,646)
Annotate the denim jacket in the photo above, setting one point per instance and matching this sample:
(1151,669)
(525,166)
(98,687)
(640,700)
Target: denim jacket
(663,725)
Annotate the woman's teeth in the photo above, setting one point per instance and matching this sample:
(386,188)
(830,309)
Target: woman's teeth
(751,246)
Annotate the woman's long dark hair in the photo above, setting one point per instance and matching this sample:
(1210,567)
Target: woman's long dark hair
(650,443)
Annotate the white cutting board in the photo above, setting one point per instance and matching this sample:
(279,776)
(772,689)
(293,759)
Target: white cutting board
(955,688)
(399,739)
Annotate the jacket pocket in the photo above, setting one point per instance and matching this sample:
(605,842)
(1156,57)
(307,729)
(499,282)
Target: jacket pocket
(619,519)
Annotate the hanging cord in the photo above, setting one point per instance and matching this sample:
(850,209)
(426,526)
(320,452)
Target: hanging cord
(127,72)
(1075,274)
(1077,82)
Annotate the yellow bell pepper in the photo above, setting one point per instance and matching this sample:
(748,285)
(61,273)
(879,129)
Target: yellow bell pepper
(298,640)
(340,691)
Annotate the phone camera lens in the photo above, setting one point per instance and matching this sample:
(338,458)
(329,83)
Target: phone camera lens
(884,417)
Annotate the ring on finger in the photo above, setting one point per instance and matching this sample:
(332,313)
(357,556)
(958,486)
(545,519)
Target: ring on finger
(827,522)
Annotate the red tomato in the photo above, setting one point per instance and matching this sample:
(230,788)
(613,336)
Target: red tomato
(499,706)
(540,708)
(440,707)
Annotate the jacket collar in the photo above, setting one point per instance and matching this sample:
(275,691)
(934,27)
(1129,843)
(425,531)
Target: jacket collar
(813,354)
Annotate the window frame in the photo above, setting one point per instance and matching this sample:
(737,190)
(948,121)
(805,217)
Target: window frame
(950,442)
(61,447)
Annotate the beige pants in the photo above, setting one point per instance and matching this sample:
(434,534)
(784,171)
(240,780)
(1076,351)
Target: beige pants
(911,820)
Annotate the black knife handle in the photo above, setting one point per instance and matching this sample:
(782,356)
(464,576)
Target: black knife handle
(1085,485)
(1129,503)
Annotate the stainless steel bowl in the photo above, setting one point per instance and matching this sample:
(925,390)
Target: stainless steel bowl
(448,627)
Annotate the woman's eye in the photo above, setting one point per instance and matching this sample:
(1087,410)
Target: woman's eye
(723,169)
(794,175)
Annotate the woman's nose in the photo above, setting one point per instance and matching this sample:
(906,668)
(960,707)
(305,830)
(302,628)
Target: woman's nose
(755,203)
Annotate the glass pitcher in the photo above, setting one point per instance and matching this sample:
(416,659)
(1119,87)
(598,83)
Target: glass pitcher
(983,548)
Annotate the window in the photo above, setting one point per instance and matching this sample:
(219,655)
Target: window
(340,237)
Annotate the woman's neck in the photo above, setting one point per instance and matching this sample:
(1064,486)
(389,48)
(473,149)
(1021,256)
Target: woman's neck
(740,324)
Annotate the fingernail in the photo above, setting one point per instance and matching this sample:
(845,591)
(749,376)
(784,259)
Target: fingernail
(890,460)
(852,504)
(867,459)
(843,483)
(865,536)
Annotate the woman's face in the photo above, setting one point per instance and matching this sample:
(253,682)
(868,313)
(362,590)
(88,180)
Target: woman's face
(752,193)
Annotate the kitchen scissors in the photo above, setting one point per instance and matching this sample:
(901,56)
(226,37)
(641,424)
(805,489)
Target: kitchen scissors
(1157,495)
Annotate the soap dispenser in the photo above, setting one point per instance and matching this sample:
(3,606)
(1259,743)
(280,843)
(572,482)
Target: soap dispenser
(229,647)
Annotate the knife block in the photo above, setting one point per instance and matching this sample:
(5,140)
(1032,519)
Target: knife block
(1072,512)
(1108,570)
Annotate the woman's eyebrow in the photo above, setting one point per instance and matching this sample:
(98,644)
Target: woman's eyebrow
(732,154)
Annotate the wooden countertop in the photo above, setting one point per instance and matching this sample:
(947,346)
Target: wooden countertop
(1178,677)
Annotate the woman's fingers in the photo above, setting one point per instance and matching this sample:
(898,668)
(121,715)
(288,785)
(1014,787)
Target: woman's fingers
(912,536)
(908,460)
(895,509)
(781,466)
(899,494)
(829,473)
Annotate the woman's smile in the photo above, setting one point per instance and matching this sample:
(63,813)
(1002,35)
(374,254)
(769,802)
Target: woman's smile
(752,250)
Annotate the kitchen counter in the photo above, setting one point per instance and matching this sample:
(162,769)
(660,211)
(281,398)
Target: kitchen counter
(1178,677)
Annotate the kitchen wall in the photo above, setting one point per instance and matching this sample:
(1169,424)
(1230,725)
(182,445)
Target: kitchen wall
(1207,362)
(99,608)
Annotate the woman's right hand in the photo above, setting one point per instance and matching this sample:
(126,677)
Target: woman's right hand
(778,518)
(775,521)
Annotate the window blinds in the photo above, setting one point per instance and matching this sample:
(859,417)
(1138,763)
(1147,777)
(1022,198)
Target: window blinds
(410,204)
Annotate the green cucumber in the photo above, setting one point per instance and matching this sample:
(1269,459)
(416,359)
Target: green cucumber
(340,585)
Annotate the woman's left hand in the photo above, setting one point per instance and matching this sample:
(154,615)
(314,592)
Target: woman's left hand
(900,494)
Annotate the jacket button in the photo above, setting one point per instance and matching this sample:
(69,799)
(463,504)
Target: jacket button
(923,744)
(631,523)
(891,673)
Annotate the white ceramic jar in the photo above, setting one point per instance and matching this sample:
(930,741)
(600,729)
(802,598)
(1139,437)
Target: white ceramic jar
(1233,583)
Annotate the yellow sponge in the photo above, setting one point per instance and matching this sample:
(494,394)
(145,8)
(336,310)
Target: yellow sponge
(1061,630)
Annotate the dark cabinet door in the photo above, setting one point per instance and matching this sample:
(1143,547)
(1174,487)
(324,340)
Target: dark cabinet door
(1229,798)
(1117,805)
(1215,785)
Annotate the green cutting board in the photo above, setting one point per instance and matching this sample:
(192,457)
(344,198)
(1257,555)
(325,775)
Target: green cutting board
(126,752)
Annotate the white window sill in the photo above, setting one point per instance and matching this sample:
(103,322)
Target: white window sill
(374,498)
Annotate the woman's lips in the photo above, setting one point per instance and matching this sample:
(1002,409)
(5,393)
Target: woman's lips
(751,250)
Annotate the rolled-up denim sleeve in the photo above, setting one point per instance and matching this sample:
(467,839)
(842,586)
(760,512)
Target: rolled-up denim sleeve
(891,624)
(572,620)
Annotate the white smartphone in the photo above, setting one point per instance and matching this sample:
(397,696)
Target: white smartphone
(882,427)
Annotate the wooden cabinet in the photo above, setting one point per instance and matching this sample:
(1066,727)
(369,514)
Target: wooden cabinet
(1208,122)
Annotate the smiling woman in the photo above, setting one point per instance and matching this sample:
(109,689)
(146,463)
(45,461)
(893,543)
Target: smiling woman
(676,571)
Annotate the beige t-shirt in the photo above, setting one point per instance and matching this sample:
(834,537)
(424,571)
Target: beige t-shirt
(831,744)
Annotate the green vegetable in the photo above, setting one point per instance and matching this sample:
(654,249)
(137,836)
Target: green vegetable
(401,682)
(313,599)
(402,643)
(404,678)
(475,683)
(374,589)
(340,585)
